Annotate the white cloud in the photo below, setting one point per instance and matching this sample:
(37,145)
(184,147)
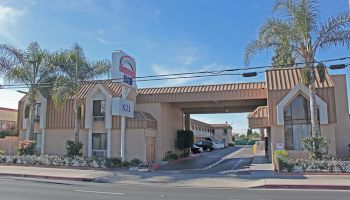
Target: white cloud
(8,19)
(9,98)
(104,41)
(161,69)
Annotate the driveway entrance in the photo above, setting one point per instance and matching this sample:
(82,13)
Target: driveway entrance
(231,160)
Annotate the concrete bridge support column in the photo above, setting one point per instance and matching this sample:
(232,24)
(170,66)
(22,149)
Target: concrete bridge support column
(187,121)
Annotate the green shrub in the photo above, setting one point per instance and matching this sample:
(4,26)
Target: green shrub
(244,142)
(317,147)
(232,144)
(73,148)
(113,162)
(26,147)
(185,139)
(279,155)
(184,154)
(2,152)
(170,156)
(135,162)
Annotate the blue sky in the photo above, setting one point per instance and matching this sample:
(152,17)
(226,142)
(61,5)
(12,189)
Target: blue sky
(164,36)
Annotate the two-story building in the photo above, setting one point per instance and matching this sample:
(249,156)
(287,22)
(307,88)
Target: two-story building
(280,105)
(8,118)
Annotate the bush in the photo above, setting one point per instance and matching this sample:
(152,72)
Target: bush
(2,152)
(316,147)
(245,142)
(26,147)
(185,139)
(135,162)
(73,148)
(170,156)
(184,154)
(113,162)
(12,131)
(232,144)
(280,157)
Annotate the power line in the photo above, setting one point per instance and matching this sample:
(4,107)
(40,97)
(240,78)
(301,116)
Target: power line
(180,75)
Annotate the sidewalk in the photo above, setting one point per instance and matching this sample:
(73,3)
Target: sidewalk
(54,173)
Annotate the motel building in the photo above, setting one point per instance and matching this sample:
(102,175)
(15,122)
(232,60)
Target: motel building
(121,120)
(219,132)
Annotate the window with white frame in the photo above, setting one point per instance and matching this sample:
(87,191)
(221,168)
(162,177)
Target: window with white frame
(99,109)
(99,144)
(297,123)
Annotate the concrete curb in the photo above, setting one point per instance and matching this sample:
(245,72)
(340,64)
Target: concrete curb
(322,187)
(83,179)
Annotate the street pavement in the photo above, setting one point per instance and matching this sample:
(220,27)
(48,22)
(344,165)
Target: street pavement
(36,189)
(227,168)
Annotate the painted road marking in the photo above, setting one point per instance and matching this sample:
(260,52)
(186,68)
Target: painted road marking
(237,164)
(99,192)
(222,159)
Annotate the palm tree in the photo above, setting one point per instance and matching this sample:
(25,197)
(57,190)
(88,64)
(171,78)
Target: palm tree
(30,67)
(300,33)
(74,68)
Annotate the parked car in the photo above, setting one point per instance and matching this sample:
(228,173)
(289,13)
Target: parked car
(206,145)
(196,149)
(217,144)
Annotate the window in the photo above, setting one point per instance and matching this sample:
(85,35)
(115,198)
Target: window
(99,108)
(99,144)
(37,110)
(225,131)
(297,119)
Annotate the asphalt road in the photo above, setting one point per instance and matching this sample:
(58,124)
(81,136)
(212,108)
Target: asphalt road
(25,189)
(233,160)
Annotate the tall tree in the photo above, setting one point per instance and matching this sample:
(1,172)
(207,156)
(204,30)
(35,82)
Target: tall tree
(300,28)
(74,69)
(30,67)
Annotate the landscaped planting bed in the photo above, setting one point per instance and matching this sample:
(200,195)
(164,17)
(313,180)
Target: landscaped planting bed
(62,161)
(285,165)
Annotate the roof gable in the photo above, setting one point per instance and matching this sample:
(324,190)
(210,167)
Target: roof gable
(287,78)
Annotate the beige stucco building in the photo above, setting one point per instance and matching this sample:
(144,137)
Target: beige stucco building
(219,132)
(8,118)
(279,106)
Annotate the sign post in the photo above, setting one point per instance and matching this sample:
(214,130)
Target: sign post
(123,71)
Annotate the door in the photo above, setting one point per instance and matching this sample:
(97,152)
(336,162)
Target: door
(150,148)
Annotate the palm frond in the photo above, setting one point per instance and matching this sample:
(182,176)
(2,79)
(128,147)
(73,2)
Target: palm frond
(334,31)
(10,57)
(255,47)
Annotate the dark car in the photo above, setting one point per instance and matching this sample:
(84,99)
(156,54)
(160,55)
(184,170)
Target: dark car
(196,149)
(206,145)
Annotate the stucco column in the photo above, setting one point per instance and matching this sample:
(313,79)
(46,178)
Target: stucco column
(90,143)
(262,134)
(42,151)
(109,143)
(187,121)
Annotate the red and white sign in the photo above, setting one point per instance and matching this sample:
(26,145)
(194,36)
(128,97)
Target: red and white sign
(123,68)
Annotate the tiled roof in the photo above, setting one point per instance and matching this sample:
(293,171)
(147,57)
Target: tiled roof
(287,78)
(202,88)
(112,88)
(8,109)
(260,112)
